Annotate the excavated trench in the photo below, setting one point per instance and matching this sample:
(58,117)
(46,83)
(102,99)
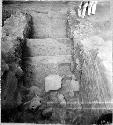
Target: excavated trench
(49,49)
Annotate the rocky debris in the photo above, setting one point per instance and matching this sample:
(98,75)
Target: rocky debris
(51,97)
(31,97)
(54,102)
(69,86)
(90,69)
(21,22)
(4,67)
(59,114)
(14,31)
(83,30)
(78,28)
(65,93)
(9,49)
(19,72)
(35,102)
(10,85)
(61,99)
(5,14)
(34,91)
(8,89)
(47,110)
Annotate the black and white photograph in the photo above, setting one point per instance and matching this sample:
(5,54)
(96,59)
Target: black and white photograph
(56,62)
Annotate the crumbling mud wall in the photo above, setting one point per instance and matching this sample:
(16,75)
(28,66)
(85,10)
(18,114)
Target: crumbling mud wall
(91,56)
(14,32)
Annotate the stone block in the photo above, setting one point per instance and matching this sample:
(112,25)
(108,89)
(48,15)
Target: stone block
(48,47)
(49,24)
(52,82)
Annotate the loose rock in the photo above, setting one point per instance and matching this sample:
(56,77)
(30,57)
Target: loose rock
(35,102)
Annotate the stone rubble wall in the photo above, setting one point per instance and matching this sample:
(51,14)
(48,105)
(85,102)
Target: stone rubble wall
(88,38)
(44,56)
(16,28)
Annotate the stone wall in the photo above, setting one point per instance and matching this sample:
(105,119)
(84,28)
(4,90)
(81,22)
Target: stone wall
(16,28)
(91,58)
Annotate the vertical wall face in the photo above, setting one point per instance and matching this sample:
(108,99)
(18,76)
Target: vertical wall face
(14,31)
(93,49)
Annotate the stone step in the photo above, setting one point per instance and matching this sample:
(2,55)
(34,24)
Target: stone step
(35,73)
(48,47)
(50,24)
(61,59)
(39,67)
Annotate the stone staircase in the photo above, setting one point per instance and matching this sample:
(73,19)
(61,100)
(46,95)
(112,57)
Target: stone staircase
(47,56)
(49,51)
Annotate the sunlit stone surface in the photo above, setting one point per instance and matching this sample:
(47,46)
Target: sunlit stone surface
(52,82)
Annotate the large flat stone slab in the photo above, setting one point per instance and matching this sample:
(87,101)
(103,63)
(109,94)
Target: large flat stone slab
(48,47)
(49,25)
(49,59)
